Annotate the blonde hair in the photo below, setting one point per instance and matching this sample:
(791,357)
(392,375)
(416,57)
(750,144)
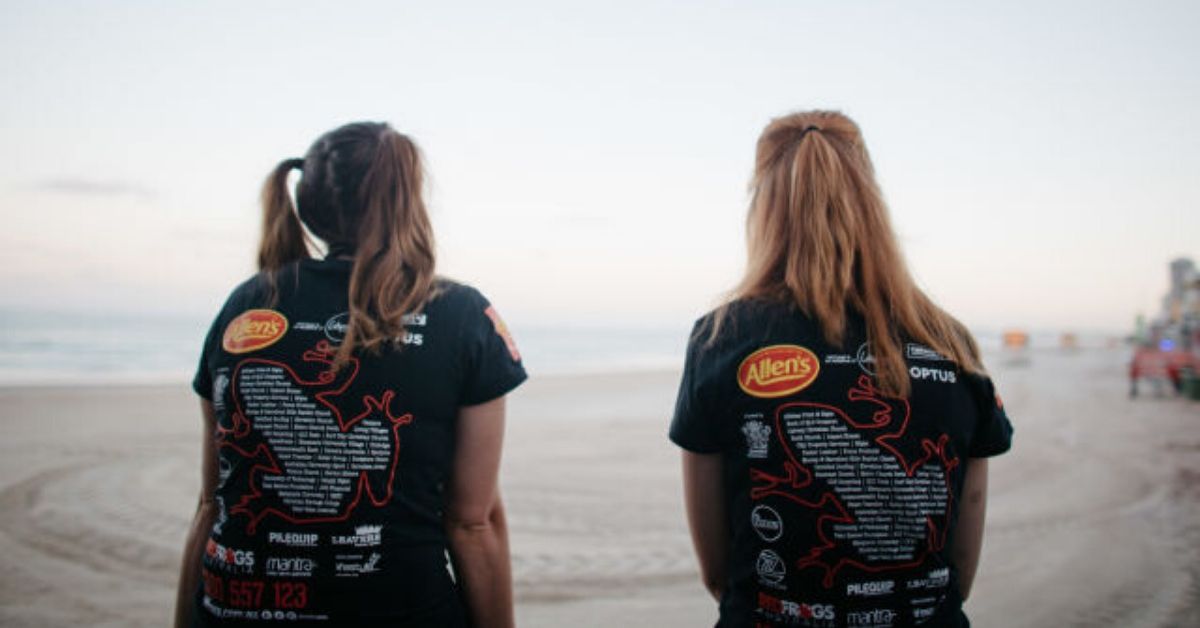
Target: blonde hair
(819,237)
(360,192)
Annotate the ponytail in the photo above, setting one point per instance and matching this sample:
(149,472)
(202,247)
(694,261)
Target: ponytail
(360,194)
(283,238)
(393,271)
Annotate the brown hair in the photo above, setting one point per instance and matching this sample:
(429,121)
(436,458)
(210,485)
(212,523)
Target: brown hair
(819,237)
(359,192)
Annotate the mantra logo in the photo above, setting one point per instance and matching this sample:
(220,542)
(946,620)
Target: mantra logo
(873,617)
(871,589)
(290,567)
(228,559)
(770,568)
(364,536)
(293,539)
(777,371)
(766,522)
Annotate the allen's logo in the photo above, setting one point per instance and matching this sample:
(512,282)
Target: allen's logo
(253,330)
(778,370)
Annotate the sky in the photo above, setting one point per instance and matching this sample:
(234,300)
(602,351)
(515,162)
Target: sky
(588,162)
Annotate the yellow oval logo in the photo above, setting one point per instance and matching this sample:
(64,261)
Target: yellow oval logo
(254,329)
(778,370)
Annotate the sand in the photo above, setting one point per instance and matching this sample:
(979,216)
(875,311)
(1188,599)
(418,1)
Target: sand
(1094,518)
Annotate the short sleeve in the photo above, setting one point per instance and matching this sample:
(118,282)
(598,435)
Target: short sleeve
(492,362)
(993,431)
(202,382)
(693,427)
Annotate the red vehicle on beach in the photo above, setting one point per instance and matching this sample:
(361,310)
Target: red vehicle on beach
(1159,365)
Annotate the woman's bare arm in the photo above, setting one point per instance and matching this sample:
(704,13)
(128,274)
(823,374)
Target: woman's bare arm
(968,535)
(704,498)
(193,549)
(475,521)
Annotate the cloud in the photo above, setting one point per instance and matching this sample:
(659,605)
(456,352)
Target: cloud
(74,186)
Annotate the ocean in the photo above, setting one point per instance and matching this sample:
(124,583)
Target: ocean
(61,348)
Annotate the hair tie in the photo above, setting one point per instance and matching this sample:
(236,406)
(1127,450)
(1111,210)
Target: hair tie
(297,163)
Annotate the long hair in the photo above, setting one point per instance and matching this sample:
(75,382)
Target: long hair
(819,237)
(360,193)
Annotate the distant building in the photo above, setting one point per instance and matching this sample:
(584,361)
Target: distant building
(1179,320)
(1181,292)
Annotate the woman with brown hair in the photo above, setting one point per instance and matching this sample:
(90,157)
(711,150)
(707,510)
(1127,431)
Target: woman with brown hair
(354,413)
(835,422)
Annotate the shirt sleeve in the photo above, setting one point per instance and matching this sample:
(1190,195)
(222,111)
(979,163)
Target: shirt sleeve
(492,362)
(694,427)
(202,382)
(993,430)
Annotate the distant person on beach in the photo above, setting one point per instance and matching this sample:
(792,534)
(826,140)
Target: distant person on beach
(836,424)
(353,414)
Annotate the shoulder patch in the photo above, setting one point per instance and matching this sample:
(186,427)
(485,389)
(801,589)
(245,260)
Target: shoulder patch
(253,330)
(502,331)
(778,370)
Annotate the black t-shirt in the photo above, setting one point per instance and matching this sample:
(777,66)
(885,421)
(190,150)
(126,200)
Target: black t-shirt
(332,484)
(842,501)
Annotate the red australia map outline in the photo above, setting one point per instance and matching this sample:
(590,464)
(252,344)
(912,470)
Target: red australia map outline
(833,511)
(333,385)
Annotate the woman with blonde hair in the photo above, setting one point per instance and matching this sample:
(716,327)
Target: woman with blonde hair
(353,414)
(835,422)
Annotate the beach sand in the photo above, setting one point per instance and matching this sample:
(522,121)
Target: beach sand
(1094,518)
